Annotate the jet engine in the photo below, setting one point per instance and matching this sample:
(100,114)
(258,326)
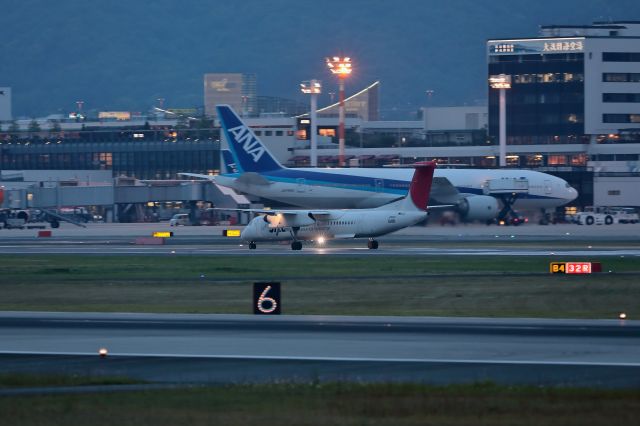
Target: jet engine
(478,207)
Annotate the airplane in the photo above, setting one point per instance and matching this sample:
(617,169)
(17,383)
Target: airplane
(320,225)
(477,194)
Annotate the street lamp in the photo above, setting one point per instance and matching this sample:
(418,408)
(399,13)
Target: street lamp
(314,88)
(502,82)
(341,66)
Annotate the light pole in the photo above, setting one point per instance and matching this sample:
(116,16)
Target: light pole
(502,82)
(314,88)
(342,68)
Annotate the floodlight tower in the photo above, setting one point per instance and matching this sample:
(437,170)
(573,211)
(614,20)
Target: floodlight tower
(341,66)
(314,88)
(502,82)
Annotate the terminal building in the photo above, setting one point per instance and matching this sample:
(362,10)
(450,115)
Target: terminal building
(573,110)
(239,90)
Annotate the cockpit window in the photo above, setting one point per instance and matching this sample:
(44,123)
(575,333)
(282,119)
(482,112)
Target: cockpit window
(566,185)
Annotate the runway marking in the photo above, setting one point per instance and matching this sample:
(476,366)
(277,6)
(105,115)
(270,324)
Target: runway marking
(337,359)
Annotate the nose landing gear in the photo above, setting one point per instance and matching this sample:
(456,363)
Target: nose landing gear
(372,244)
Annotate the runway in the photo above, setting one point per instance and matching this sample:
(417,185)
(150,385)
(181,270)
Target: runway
(468,240)
(238,348)
(232,349)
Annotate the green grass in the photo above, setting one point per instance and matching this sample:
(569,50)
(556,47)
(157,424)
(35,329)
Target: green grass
(331,404)
(12,381)
(438,285)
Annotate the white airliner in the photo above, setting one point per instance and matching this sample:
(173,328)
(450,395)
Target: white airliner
(320,225)
(473,192)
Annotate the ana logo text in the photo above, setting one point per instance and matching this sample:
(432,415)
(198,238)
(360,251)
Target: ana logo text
(248,142)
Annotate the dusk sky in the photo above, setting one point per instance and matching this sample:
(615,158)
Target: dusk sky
(118,55)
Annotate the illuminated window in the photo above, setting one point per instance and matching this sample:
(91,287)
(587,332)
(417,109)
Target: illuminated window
(557,160)
(327,132)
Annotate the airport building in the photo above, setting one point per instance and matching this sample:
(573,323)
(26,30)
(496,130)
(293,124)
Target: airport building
(235,89)
(5,104)
(573,110)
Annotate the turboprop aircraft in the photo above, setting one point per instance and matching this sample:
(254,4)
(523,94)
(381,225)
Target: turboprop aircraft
(321,225)
(477,194)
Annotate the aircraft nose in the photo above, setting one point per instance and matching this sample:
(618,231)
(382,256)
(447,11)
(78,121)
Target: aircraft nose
(571,194)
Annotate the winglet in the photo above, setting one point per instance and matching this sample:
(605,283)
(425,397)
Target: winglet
(249,151)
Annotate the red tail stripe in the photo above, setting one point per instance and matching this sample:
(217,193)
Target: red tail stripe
(421,184)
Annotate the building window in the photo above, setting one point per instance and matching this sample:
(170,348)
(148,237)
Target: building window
(579,159)
(621,118)
(613,192)
(621,56)
(627,157)
(268,133)
(534,160)
(621,97)
(621,77)
(557,160)
(257,132)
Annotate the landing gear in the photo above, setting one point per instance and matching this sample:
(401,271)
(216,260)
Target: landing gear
(507,202)
(372,245)
(252,246)
(296,245)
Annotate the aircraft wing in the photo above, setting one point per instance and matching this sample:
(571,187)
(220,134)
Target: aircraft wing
(287,217)
(444,191)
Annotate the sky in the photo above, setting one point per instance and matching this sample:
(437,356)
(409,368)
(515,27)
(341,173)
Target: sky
(117,55)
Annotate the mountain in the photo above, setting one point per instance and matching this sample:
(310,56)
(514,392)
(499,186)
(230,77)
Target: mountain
(118,55)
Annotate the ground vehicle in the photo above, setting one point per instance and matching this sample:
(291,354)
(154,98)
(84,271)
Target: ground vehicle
(180,219)
(605,215)
(624,215)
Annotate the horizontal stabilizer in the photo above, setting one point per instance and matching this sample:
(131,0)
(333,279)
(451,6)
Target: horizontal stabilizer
(252,178)
(199,176)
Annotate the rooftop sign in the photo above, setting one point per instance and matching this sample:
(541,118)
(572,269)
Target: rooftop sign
(535,46)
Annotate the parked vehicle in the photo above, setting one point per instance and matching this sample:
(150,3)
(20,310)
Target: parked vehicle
(604,216)
(180,219)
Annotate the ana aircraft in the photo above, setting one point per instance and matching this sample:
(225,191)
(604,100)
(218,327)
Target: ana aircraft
(473,192)
(320,225)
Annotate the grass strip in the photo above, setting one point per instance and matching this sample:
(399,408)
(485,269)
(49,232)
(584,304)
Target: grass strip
(331,403)
(434,286)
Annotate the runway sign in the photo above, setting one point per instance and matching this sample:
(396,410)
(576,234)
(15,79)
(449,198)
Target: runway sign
(266,298)
(574,267)
(163,234)
(231,233)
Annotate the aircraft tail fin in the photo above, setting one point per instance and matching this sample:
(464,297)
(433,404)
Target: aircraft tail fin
(420,187)
(250,153)
(228,162)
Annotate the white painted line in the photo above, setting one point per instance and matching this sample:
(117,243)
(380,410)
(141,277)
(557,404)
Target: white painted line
(337,359)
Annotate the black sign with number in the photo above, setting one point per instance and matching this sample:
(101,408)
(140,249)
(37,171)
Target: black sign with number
(266,298)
